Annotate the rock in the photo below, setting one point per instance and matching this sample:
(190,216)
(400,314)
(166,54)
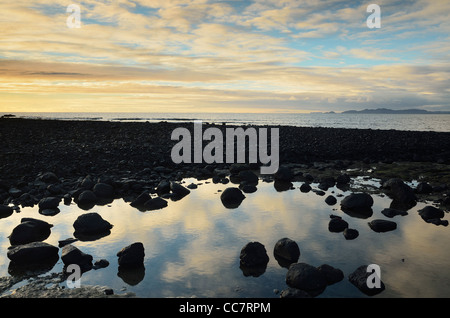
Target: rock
(358,205)
(163,187)
(284,174)
(390,213)
(34,252)
(350,234)
(103,190)
(87,198)
(431,212)
(87,183)
(305,188)
(424,188)
(140,200)
(402,194)
(91,224)
(5,211)
(155,204)
(337,224)
(49,203)
(48,177)
(294,293)
(382,225)
(72,255)
(232,197)
(102,263)
(306,277)
(253,254)
(70,240)
(132,255)
(330,200)
(192,186)
(248,176)
(287,249)
(332,275)
(248,188)
(179,190)
(30,230)
(343,179)
(359,279)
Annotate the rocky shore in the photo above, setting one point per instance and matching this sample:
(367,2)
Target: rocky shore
(50,162)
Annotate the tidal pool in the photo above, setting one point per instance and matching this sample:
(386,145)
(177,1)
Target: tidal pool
(192,246)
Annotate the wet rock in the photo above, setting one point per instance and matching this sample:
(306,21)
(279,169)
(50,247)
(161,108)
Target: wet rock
(337,224)
(70,240)
(358,205)
(132,255)
(433,215)
(163,187)
(48,177)
(382,225)
(253,254)
(103,190)
(330,200)
(49,203)
(306,277)
(73,255)
(332,275)
(178,190)
(87,199)
(286,249)
(424,188)
(34,252)
(403,195)
(350,234)
(359,279)
(91,225)
(156,203)
(102,263)
(248,188)
(305,188)
(232,197)
(284,174)
(390,213)
(5,211)
(30,230)
(294,293)
(343,179)
(248,176)
(140,200)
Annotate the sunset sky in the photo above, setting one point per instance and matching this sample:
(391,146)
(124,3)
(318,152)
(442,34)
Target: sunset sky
(223,56)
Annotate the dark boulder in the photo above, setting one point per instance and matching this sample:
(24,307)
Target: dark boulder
(232,197)
(132,255)
(402,195)
(337,224)
(34,252)
(178,190)
(390,213)
(424,188)
(286,249)
(253,254)
(87,199)
(305,188)
(358,205)
(330,200)
(156,203)
(91,226)
(73,255)
(382,225)
(5,211)
(350,234)
(361,276)
(433,215)
(30,230)
(332,275)
(306,277)
(49,203)
(284,174)
(103,190)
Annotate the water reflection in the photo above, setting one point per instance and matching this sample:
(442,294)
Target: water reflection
(192,246)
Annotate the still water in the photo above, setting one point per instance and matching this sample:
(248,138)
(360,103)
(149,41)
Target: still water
(192,246)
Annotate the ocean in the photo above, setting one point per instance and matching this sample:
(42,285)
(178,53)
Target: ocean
(408,122)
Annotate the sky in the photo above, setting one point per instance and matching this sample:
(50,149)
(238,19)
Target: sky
(223,56)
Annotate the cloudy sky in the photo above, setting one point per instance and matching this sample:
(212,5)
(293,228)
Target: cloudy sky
(223,56)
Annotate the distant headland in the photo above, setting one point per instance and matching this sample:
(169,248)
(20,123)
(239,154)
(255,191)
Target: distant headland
(388,111)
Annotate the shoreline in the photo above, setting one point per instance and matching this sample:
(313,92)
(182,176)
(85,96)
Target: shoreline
(42,158)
